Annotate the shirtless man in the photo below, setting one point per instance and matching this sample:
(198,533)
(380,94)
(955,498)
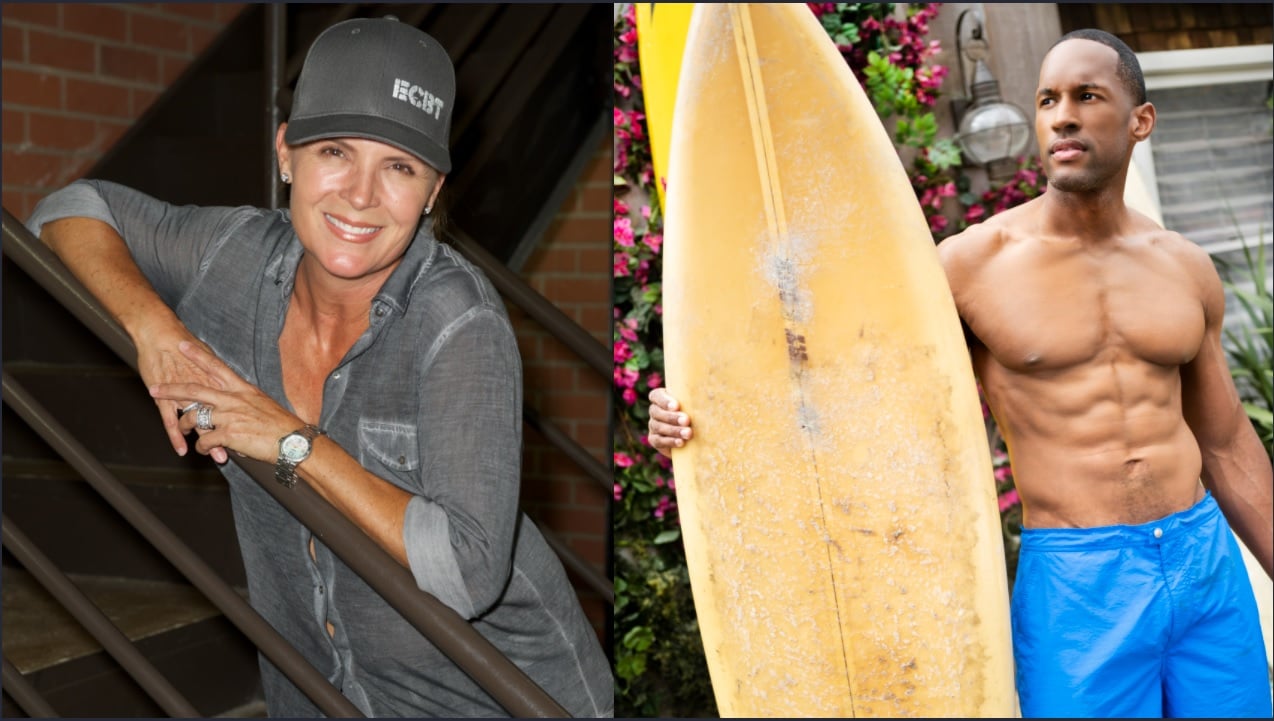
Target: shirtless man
(1096,336)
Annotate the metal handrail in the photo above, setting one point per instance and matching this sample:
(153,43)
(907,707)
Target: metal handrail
(17,686)
(95,622)
(468,649)
(199,573)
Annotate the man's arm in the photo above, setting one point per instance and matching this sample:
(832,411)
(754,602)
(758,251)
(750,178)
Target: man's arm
(1236,468)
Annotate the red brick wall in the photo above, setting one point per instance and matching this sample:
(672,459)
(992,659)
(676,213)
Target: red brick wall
(76,76)
(572,268)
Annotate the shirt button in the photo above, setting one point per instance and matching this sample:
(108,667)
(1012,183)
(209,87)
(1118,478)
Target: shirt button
(402,460)
(1158,533)
(380,311)
(336,375)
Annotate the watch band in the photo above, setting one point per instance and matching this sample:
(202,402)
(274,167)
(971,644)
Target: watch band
(285,466)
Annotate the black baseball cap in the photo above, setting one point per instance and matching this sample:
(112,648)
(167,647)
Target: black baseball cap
(380,79)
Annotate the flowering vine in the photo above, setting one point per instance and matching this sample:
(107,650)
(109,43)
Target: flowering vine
(891,56)
(659,662)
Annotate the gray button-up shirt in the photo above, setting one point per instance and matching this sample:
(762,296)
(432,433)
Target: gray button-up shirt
(429,399)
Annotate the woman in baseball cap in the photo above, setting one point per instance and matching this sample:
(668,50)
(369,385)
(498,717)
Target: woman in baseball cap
(341,342)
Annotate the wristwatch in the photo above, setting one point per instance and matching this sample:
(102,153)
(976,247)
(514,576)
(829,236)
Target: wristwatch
(294,448)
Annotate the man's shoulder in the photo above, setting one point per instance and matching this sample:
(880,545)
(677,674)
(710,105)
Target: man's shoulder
(978,243)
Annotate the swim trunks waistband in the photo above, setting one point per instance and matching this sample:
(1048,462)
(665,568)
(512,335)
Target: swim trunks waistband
(1085,539)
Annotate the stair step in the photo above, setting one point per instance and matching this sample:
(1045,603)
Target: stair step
(173,625)
(39,633)
(106,409)
(39,329)
(195,506)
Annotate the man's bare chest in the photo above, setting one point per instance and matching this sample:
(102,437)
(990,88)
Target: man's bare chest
(1048,314)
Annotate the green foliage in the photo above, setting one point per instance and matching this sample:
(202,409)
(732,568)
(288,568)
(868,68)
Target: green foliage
(654,611)
(1251,349)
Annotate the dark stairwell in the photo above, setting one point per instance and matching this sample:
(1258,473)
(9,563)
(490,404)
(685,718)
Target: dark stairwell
(533,105)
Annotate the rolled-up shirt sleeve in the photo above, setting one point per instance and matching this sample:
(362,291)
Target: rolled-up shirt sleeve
(169,243)
(460,528)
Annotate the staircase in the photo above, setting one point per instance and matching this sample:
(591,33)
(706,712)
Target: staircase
(533,92)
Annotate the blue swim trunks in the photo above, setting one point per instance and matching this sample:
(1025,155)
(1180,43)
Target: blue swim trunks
(1155,620)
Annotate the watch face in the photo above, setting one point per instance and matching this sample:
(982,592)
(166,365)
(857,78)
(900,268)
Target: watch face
(295,448)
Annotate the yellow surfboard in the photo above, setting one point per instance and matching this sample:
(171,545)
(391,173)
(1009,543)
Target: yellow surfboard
(661,37)
(837,503)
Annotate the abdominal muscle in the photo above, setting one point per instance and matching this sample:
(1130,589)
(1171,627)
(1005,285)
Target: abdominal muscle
(1097,445)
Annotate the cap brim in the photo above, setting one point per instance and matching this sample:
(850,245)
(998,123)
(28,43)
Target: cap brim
(305,130)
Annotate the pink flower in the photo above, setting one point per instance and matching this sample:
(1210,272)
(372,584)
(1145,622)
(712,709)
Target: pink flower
(622,352)
(654,241)
(665,504)
(623,460)
(619,492)
(621,266)
(654,380)
(1002,474)
(1008,500)
(630,396)
(624,232)
(621,208)
(626,330)
(974,214)
(937,223)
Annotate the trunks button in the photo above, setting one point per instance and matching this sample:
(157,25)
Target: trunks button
(1158,533)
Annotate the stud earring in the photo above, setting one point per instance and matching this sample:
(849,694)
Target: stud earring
(285,178)
(428,208)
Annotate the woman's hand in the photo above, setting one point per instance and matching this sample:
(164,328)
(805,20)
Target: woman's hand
(244,419)
(669,427)
(161,362)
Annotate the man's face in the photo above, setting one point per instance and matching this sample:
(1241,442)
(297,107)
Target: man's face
(1083,116)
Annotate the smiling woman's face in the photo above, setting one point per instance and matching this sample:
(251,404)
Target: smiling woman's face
(356,203)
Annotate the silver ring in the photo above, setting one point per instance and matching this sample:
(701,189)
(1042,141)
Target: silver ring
(203,418)
(188,408)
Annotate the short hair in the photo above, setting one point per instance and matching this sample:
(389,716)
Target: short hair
(1128,69)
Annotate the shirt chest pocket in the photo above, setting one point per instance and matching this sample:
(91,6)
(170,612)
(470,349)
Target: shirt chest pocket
(393,445)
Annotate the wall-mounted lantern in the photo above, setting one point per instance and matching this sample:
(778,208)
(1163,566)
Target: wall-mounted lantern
(990,131)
